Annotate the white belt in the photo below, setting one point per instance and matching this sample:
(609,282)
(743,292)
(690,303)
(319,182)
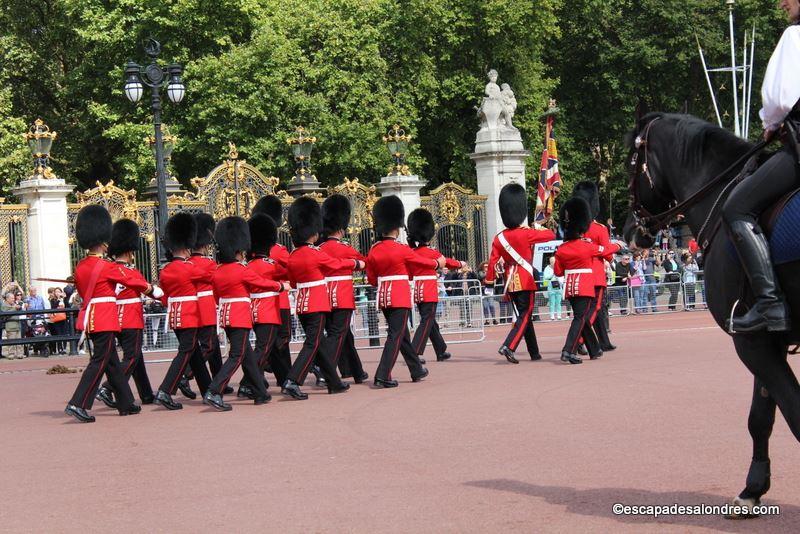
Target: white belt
(315,283)
(188,298)
(123,302)
(426,277)
(98,300)
(234,299)
(264,295)
(208,293)
(578,271)
(392,278)
(338,278)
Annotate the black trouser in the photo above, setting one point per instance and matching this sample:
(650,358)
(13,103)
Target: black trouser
(672,287)
(103,359)
(600,316)
(130,339)
(266,337)
(240,353)
(428,328)
(280,350)
(622,297)
(208,347)
(523,327)
(759,191)
(340,344)
(397,340)
(187,343)
(580,328)
(314,351)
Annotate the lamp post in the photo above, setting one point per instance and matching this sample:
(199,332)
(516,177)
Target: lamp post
(397,144)
(155,77)
(169,141)
(40,141)
(302,144)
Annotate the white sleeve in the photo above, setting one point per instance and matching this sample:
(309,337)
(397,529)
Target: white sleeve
(781,88)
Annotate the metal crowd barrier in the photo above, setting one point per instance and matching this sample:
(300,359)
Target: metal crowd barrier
(34,333)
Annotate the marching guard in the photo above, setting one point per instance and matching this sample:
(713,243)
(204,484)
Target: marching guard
(426,284)
(515,246)
(388,267)
(96,279)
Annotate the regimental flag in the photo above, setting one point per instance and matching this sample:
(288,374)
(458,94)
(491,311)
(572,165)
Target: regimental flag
(549,178)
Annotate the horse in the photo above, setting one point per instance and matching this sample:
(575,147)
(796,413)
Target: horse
(679,164)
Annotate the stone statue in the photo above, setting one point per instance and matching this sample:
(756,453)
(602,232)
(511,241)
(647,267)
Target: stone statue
(510,103)
(497,107)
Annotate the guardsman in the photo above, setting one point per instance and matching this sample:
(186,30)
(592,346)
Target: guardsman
(388,267)
(122,247)
(180,279)
(574,260)
(96,278)
(265,305)
(308,267)
(515,246)
(336,211)
(426,284)
(598,234)
(233,284)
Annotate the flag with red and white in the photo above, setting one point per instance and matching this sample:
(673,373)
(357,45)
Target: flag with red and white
(549,178)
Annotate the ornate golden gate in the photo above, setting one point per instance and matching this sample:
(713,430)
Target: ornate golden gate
(460,219)
(14,263)
(362,198)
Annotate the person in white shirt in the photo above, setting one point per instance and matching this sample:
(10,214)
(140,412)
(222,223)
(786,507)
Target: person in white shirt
(780,114)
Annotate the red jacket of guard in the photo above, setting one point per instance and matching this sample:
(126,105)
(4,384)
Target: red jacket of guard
(265,305)
(574,260)
(206,304)
(425,279)
(99,309)
(521,240)
(280,255)
(308,267)
(388,267)
(129,301)
(179,280)
(233,283)
(340,282)
(598,234)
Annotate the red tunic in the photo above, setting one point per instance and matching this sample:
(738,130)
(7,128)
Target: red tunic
(206,304)
(281,256)
(129,301)
(388,265)
(308,267)
(426,282)
(179,279)
(598,234)
(521,240)
(99,310)
(340,282)
(574,259)
(233,283)
(265,305)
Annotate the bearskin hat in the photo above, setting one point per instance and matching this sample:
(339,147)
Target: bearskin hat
(205,229)
(513,203)
(93,226)
(263,233)
(575,217)
(336,212)
(270,205)
(124,237)
(232,235)
(420,226)
(181,232)
(388,214)
(588,192)
(305,219)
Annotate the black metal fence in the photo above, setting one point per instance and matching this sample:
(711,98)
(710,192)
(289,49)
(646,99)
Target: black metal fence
(34,333)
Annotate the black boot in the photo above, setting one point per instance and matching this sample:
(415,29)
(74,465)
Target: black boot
(186,389)
(165,399)
(421,376)
(245,391)
(508,353)
(582,350)
(333,391)
(292,389)
(320,383)
(104,394)
(360,379)
(570,358)
(215,401)
(79,413)
(769,312)
(381,383)
(443,356)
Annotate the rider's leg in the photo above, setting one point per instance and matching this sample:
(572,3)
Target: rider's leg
(748,200)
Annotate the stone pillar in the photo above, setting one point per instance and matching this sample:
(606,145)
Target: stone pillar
(406,187)
(48,228)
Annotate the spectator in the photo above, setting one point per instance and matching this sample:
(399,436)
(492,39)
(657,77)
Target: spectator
(155,313)
(674,272)
(459,286)
(488,296)
(500,291)
(58,321)
(664,239)
(690,270)
(649,263)
(636,283)
(622,275)
(555,287)
(12,327)
(34,302)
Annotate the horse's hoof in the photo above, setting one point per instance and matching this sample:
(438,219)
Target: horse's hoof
(747,506)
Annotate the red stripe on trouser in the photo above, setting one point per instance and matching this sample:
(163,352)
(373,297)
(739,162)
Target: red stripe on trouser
(238,363)
(188,355)
(313,352)
(262,360)
(134,359)
(99,372)
(342,335)
(578,338)
(426,332)
(523,325)
(400,337)
(598,295)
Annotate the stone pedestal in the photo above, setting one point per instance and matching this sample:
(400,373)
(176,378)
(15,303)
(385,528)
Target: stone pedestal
(499,160)
(304,186)
(48,228)
(405,187)
(173,187)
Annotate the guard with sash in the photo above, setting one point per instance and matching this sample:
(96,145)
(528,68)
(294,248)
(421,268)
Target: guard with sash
(233,284)
(336,211)
(574,260)
(515,246)
(96,279)
(124,244)
(425,282)
(388,266)
(181,280)
(308,267)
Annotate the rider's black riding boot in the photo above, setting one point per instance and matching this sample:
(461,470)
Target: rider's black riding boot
(769,311)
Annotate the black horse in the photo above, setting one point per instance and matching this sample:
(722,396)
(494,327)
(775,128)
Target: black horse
(672,157)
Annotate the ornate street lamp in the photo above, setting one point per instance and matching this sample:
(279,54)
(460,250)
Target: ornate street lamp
(155,77)
(169,141)
(397,144)
(302,144)
(40,141)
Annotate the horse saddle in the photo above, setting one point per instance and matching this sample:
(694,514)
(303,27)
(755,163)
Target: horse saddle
(781,224)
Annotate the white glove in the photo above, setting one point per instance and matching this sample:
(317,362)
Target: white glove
(157,292)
